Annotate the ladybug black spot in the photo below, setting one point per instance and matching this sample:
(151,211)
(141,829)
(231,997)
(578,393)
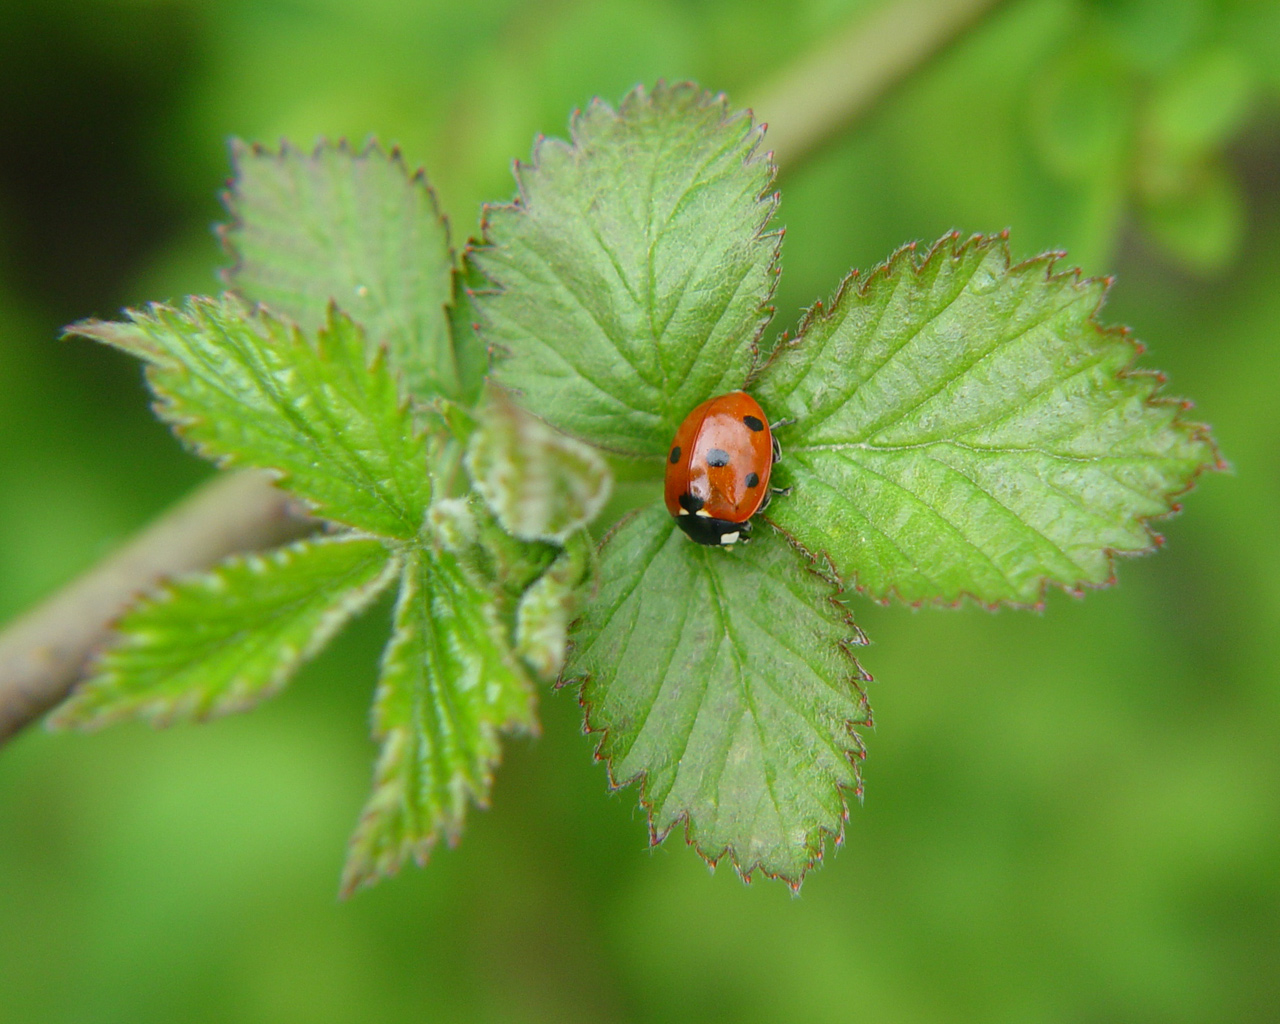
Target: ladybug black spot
(755,424)
(753,480)
(717,457)
(690,503)
(675,455)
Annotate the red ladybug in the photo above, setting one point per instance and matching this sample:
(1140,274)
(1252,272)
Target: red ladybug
(718,468)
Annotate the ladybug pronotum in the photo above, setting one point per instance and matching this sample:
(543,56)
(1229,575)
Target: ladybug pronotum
(718,469)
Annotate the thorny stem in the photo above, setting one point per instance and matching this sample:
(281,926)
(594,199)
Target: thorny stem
(44,653)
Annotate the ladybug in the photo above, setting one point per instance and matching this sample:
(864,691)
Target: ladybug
(718,469)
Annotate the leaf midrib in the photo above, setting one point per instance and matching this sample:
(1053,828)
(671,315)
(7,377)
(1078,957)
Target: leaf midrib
(894,449)
(355,470)
(768,768)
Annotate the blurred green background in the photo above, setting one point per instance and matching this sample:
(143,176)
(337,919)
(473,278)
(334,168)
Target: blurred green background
(1070,817)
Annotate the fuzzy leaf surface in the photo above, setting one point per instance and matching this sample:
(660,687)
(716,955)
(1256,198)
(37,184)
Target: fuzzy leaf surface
(225,640)
(549,604)
(540,483)
(449,686)
(355,228)
(631,277)
(723,680)
(246,388)
(967,428)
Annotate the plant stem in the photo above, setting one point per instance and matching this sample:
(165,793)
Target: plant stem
(823,93)
(43,653)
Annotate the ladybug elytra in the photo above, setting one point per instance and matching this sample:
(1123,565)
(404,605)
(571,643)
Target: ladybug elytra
(718,469)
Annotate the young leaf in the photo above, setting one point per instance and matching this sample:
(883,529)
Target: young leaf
(540,483)
(967,428)
(318,409)
(631,275)
(724,680)
(471,355)
(536,585)
(449,686)
(356,229)
(225,640)
(549,604)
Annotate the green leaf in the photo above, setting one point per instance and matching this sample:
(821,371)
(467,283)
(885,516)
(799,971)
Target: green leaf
(318,409)
(723,679)
(468,528)
(356,229)
(470,351)
(225,640)
(535,585)
(540,483)
(967,428)
(449,686)
(549,604)
(631,276)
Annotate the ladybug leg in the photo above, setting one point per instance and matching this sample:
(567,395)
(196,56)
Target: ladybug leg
(777,448)
(784,491)
(768,497)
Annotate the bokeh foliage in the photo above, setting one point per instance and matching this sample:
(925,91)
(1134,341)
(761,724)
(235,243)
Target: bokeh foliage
(1068,816)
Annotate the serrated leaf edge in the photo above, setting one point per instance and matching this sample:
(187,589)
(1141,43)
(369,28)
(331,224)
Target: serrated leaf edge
(769,197)
(906,257)
(501,406)
(377,358)
(286,151)
(858,678)
(419,851)
(161,714)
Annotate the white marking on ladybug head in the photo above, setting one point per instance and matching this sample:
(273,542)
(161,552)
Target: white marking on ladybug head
(683,512)
(730,538)
(704,513)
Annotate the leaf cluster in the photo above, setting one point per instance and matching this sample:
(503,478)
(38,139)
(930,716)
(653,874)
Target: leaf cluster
(953,426)
(333,363)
